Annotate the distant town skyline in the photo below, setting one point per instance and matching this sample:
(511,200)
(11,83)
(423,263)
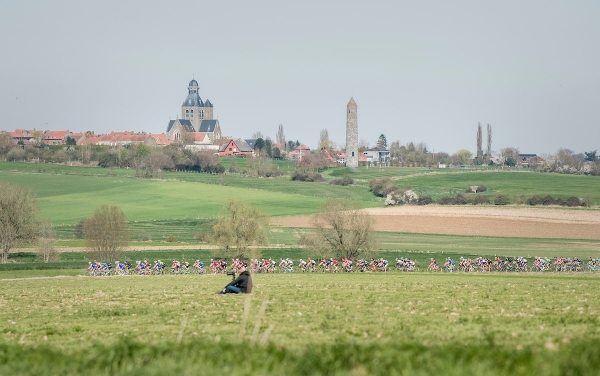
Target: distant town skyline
(423,72)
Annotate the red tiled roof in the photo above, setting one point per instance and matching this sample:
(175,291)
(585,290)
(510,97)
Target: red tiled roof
(161,139)
(223,141)
(116,138)
(328,155)
(55,135)
(20,133)
(125,137)
(302,147)
(90,140)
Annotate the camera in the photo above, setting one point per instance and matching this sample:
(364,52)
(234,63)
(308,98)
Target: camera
(232,274)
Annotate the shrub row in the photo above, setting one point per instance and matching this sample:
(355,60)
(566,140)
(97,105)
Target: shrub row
(571,201)
(207,168)
(501,199)
(461,199)
(306,176)
(346,180)
(382,187)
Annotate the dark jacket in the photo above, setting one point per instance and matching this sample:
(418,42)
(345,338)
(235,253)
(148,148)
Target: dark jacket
(243,281)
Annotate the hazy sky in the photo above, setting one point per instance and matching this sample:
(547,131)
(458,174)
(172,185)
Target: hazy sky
(423,71)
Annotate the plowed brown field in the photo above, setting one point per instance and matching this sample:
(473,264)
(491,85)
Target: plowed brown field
(478,221)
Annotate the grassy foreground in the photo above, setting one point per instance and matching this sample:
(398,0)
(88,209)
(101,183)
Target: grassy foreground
(303,324)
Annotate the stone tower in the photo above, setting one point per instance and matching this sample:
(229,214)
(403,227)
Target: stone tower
(194,109)
(351,134)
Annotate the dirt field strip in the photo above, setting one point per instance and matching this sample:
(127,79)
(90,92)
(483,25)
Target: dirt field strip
(478,221)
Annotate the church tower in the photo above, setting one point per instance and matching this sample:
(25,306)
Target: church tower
(194,109)
(351,134)
(196,116)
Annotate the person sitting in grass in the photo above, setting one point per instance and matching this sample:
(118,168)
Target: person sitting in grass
(242,284)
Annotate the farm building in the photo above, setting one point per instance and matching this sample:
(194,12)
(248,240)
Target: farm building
(237,148)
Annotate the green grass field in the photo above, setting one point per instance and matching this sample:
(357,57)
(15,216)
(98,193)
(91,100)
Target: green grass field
(342,324)
(180,205)
(515,184)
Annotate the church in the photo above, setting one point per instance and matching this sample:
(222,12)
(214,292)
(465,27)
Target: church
(196,125)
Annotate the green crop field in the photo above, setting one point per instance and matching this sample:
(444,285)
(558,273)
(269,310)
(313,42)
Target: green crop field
(179,205)
(387,324)
(513,183)
(66,196)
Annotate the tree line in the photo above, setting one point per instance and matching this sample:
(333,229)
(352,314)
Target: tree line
(149,161)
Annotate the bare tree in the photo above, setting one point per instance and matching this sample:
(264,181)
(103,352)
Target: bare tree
(18,223)
(479,144)
(566,157)
(280,136)
(396,152)
(510,156)
(341,230)
(139,153)
(488,150)
(85,152)
(462,157)
(47,239)
(257,134)
(6,143)
(324,142)
(188,138)
(238,228)
(106,233)
(363,145)
(151,164)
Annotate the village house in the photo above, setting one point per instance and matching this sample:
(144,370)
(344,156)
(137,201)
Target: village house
(118,139)
(299,152)
(21,135)
(200,141)
(328,156)
(375,157)
(55,137)
(43,137)
(161,139)
(238,148)
(529,160)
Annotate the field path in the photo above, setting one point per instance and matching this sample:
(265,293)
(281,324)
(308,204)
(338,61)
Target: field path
(524,222)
